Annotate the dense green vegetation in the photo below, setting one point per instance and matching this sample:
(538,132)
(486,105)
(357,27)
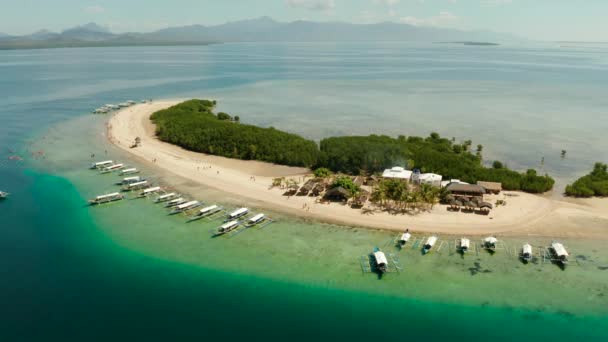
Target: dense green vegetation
(397,195)
(374,153)
(194,126)
(593,184)
(346,183)
(322,172)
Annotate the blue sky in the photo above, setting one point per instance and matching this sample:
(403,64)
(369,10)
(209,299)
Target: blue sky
(536,19)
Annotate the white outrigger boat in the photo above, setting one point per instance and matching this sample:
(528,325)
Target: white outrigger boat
(526,252)
(174,202)
(237,214)
(380,261)
(185,207)
(3,195)
(465,245)
(227,227)
(131,180)
(101,164)
(129,171)
(112,168)
(149,191)
(131,102)
(428,245)
(405,238)
(106,198)
(136,186)
(166,197)
(257,219)
(206,212)
(489,243)
(560,253)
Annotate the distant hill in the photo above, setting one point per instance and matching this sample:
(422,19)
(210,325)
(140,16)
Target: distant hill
(262,29)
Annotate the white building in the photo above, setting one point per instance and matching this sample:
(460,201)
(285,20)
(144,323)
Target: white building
(397,172)
(430,178)
(448,182)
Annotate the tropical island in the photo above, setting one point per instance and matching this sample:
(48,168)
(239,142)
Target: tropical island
(334,183)
(194,126)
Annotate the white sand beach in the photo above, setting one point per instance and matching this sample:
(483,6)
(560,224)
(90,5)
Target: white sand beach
(525,214)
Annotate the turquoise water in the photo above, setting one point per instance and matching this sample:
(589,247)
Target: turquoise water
(127,271)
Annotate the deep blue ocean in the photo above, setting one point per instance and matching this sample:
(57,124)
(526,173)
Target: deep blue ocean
(63,279)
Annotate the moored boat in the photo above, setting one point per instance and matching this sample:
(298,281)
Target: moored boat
(237,214)
(380,261)
(464,245)
(405,238)
(101,164)
(129,171)
(227,227)
(166,197)
(149,191)
(4,195)
(428,245)
(185,207)
(257,219)
(174,202)
(112,168)
(136,186)
(106,198)
(526,252)
(559,252)
(130,180)
(206,212)
(489,243)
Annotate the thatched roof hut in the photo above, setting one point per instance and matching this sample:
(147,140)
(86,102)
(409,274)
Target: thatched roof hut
(491,187)
(338,194)
(467,191)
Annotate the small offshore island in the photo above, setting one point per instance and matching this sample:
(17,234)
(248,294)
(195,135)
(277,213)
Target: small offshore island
(350,184)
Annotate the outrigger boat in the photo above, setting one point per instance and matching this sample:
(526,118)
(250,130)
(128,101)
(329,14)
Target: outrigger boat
(405,237)
(136,186)
(526,252)
(3,195)
(131,180)
(166,197)
(101,164)
(489,243)
(257,219)
(106,198)
(185,207)
(430,242)
(237,214)
(149,191)
(464,246)
(227,227)
(206,212)
(112,168)
(380,261)
(177,201)
(560,253)
(129,171)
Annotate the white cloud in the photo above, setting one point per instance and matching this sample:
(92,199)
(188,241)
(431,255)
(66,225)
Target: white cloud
(313,5)
(95,9)
(443,19)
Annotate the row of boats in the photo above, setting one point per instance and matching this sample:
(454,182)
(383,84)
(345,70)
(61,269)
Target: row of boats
(176,203)
(107,108)
(490,243)
(558,250)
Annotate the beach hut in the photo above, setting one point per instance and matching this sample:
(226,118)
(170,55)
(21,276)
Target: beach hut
(307,187)
(491,187)
(361,199)
(338,194)
(466,192)
(485,207)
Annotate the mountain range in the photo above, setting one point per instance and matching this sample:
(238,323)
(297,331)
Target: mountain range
(262,29)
